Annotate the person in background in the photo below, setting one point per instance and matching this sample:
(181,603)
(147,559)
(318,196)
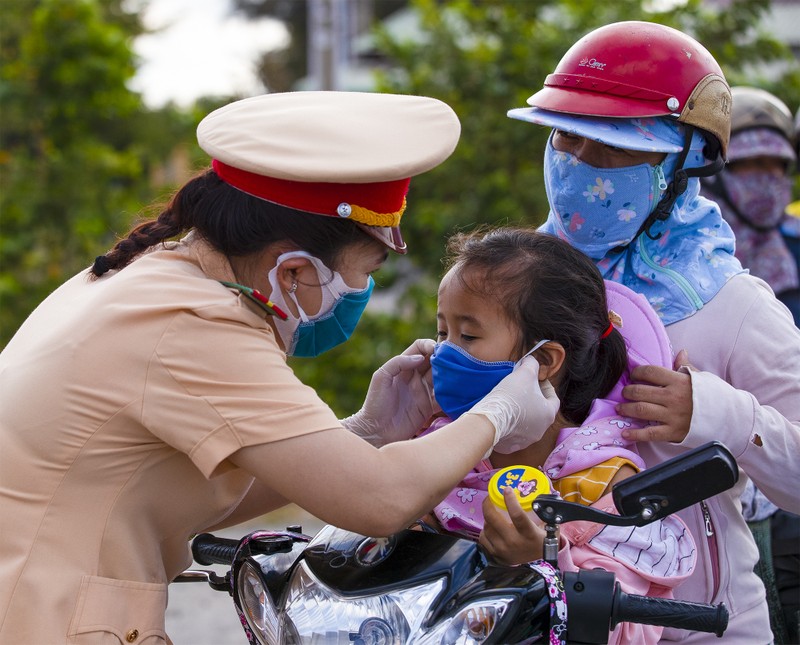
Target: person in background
(509,292)
(790,226)
(753,192)
(639,112)
(755,188)
(148,398)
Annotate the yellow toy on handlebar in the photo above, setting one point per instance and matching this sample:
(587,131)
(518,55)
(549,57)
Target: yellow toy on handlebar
(527,483)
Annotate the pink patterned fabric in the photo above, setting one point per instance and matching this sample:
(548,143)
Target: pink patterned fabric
(599,438)
(460,512)
(761,199)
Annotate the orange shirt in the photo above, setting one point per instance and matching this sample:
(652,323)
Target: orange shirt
(588,486)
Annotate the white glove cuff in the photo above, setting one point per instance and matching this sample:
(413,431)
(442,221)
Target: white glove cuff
(361,428)
(496,419)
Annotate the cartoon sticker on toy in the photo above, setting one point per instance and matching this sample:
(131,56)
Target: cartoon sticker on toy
(526,482)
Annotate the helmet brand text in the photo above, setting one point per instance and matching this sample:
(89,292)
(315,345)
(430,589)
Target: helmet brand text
(591,62)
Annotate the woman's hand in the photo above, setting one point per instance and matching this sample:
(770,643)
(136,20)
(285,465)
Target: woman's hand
(511,542)
(520,408)
(661,396)
(400,398)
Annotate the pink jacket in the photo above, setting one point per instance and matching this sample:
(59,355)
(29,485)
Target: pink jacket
(745,394)
(648,560)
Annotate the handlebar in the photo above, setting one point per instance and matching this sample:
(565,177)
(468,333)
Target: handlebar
(209,549)
(597,598)
(682,614)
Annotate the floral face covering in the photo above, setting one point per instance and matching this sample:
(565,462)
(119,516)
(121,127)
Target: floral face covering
(599,209)
(690,256)
(754,204)
(759,196)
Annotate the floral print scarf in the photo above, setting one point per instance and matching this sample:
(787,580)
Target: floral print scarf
(689,257)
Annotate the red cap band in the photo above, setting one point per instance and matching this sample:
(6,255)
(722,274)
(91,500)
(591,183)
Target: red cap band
(382,198)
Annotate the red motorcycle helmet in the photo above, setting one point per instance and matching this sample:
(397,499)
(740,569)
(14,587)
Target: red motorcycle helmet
(638,69)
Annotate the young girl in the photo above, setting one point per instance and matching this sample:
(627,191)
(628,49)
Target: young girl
(510,292)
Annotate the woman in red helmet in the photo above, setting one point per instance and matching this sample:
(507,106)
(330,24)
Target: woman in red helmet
(639,112)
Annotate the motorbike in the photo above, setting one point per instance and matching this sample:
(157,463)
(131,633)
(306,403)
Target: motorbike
(426,588)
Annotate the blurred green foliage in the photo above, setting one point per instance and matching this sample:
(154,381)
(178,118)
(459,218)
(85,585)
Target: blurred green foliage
(77,147)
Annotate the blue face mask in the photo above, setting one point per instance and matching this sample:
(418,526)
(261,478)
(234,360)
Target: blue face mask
(339,313)
(599,209)
(460,380)
(316,336)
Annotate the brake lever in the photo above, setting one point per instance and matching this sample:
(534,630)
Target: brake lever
(554,511)
(551,509)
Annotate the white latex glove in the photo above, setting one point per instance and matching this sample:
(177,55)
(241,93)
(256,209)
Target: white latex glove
(519,407)
(400,398)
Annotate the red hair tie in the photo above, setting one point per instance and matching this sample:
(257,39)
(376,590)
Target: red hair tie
(614,320)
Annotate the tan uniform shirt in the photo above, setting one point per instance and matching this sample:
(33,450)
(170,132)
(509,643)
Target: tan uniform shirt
(120,401)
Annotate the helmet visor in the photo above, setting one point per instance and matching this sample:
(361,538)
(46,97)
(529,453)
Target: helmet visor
(388,235)
(648,134)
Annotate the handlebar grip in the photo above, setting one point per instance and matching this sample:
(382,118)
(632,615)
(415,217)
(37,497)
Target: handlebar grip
(699,617)
(210,549)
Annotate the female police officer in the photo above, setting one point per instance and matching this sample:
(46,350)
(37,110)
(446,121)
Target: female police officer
(639,111)
(149,398)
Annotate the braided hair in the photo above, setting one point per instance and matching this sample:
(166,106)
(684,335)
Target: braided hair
(233,222)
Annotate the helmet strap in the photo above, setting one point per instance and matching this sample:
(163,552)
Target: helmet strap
(678,186)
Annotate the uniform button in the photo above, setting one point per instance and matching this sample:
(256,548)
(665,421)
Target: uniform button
(344,210)
(132,635)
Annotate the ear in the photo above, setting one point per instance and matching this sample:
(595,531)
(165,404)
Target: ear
(551,357)
(290,272)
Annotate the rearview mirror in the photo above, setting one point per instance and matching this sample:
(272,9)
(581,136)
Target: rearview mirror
(677,483)
(653,493)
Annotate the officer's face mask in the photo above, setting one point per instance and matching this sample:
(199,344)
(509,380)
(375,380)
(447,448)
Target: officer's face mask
(460,380)
(338,315)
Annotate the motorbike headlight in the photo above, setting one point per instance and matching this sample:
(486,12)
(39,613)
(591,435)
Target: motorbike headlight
(471,625)
(314,613)
(257,605)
